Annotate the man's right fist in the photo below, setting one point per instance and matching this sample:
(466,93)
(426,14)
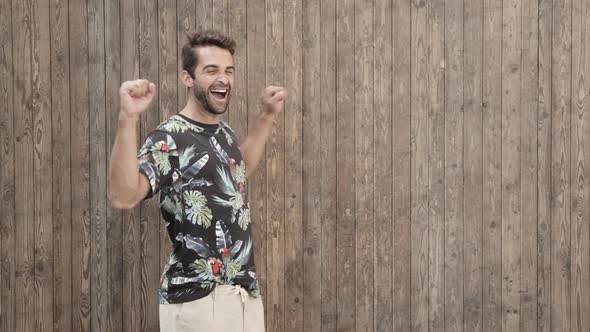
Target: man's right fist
(135,97)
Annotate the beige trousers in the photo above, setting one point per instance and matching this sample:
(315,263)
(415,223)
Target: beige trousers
(227,308)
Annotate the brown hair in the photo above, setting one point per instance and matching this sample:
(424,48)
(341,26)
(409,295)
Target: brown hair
(203,38)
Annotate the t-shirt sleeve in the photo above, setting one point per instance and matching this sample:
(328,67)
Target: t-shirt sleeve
(157,159)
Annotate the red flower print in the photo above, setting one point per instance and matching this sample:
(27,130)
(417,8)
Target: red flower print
(232,163)
(225,252)
(242,188)
(164,147)
(215,265)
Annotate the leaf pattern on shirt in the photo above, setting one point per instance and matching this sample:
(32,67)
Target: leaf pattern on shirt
(197,211)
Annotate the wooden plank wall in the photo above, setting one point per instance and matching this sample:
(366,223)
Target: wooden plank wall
(430,171)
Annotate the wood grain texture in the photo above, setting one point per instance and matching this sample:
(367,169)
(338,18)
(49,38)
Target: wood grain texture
(185,22)
(364,165)
(238,110)
(204,14)
(420,191)
(345,167)
(454,221)
(382,183)
(492,163)
(402,167)
(561,222)
(435,119)
(580,295)
(114,225)
(275,175)
(62,195)
(313,237)
(528,165)
(81,227)
(23,157)
(293,146)
(98,166)
(544,168)
(42,175)
(473,166)
(328,164)
(511,177)
(7,171)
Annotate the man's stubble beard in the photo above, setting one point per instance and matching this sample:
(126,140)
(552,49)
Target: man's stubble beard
(202,97)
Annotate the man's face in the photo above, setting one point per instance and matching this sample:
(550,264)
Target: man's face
(214,78)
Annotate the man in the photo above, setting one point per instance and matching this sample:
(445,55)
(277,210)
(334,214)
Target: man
(193,162)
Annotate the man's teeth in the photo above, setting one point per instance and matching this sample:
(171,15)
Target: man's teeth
(219,91)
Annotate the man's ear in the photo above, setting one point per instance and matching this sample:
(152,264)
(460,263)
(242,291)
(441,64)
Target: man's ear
(186,79)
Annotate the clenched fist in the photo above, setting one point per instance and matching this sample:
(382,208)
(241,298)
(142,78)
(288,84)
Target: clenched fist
(273,99)
(135,97)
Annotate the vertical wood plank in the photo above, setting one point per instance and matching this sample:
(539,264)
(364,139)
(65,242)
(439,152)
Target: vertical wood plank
(436,183)
(60,105)
(420,173)
(185,22)
(42,179)
(363,165)
(328,163)
(383,175)
(528,165)
(256,75)
(511,177)
(580,296)
(167,90)
(275,176)
(114,224)
(150,212)
(473,166)
(204,14)
(402,92)
(7,170)
(237,29)
(312,126)
(293,150)
(98,167)
(131,229)
(23,157)
(345,163)
(544,167)
(454,167)
(492,157)
(81,240)
(561,166)
(219,13)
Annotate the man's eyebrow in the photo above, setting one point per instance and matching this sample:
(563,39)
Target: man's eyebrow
(211,66)
(217,67)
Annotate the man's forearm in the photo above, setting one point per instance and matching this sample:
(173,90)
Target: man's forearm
(124,173)
(253,146)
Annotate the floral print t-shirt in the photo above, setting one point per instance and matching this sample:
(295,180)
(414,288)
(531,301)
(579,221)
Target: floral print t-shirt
(198,171)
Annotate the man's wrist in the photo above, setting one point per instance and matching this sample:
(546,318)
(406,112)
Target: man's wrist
(126,119)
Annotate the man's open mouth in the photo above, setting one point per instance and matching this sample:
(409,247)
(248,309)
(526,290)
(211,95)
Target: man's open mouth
(220,94)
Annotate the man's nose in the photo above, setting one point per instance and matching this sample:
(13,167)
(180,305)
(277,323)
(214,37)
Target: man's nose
(223,78)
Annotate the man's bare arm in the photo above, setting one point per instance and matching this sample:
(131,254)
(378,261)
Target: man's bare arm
(128,186)
(273,99)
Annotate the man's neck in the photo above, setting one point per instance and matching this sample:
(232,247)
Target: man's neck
(195,111)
